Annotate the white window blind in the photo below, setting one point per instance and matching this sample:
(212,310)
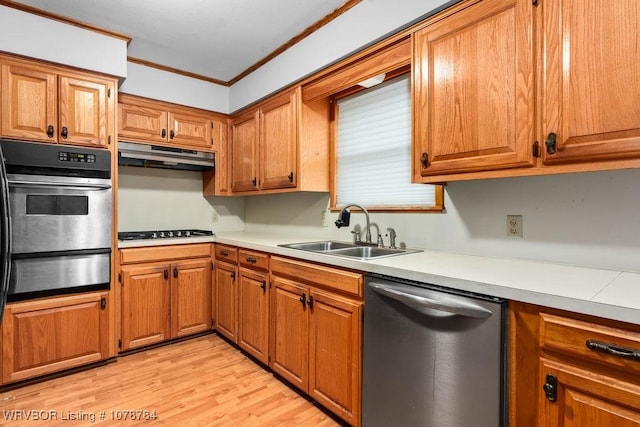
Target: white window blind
(374,149)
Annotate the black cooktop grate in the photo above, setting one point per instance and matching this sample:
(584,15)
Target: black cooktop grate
(162,234)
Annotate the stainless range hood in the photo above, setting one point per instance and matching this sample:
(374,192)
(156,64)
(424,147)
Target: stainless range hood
(157,156)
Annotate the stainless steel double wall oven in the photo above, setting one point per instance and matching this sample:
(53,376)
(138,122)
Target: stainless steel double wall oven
(59,218)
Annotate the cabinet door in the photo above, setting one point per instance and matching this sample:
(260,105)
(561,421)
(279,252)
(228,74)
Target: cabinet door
(84,111)
(244,153)
(187,129)
(29,103)
(141,123)
(190,297)
(48,335)
(226,301)
(591,84)
(253,314)
(474,90)
(587,399)
(335,348)
(279,143)
(146,299)
(290,332)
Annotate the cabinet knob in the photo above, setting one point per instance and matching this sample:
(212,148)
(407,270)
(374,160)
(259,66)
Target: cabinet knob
(251,260)
(550,142)
(65,132)
(310,301)
(163,133)
(224,253)
(303,299)
(50,131)
(254,181)
(175,272)
(290,176)
(550,388)
(172,134)
(263,286)
(166,274)
(424,160)
(233,276)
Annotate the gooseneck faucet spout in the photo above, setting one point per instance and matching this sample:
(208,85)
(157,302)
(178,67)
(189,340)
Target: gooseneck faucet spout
(344,216)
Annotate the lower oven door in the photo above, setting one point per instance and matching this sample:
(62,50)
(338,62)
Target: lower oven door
(53,213)
(51,274)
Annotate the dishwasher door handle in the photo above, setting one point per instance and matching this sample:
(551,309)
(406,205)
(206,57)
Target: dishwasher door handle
(416,301)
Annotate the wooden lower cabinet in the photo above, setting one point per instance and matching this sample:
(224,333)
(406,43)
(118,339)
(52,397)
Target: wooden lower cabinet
(253,313)
(316,335)
(53,334)
(226,313)
(561,373)
(162,300)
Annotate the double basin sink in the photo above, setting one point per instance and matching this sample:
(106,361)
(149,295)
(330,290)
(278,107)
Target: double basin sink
(348,250)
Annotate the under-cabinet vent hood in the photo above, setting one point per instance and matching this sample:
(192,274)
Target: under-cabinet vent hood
(157,156)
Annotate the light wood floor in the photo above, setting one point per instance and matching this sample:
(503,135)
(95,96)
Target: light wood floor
(199,382)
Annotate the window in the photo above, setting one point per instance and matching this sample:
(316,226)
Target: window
(373,151)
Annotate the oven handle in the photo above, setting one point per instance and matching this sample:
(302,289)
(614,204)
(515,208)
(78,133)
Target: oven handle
(415,301)
(71,185)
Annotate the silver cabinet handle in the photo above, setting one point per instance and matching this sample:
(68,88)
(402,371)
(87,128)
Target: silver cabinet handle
(41,184)
(462,308)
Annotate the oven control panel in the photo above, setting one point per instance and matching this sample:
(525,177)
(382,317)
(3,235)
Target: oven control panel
(66,156)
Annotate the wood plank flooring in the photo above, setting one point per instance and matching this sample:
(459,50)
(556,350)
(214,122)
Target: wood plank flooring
(199,382)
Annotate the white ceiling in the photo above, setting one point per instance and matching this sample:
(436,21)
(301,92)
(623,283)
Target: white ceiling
(215,38)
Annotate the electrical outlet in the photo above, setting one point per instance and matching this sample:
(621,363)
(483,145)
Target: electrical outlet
(324,218)
(214,216)
(514,226)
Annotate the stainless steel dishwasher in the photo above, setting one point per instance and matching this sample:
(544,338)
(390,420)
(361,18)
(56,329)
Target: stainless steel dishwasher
(432,357)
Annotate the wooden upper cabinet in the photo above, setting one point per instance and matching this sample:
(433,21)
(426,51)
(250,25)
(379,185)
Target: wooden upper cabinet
(163,123)
(244,152)
(41,103)
(83,111)
(591,83)
(474,90)
(278,143)
(144,123)
(29,103)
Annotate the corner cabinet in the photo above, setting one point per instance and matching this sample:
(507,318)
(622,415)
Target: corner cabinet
(316,333)
(52,334)
(166,293)
(572,370)
(281,145)
(474,90)
(51,104)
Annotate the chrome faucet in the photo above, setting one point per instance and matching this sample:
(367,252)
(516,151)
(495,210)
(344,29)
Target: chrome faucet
(343,220)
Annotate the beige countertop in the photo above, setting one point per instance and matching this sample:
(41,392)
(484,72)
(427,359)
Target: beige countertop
(606,293)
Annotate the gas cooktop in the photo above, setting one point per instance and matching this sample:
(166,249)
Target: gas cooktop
(162,234)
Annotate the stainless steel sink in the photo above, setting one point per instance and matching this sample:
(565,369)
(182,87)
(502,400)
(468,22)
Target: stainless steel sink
(348,250)
(323,246)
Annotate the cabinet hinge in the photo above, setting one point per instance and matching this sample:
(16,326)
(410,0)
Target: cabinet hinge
(535,3)
(103,303)
(109,140)
(120,344)
(536,149)
(211,265)
(550,388)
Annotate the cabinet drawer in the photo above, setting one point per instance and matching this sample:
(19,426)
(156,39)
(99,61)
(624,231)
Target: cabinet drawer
(348,282)
(605,345)
(254,260)
(163,253)
(227,253)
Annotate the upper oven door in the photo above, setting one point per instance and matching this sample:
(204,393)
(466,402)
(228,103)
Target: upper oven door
(54,213)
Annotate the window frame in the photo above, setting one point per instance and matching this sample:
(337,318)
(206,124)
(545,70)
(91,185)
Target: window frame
(333,159)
